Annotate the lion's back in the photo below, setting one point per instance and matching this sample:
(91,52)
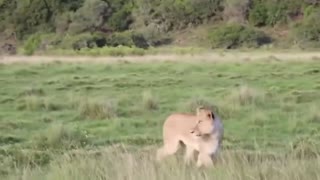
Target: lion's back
(178,124)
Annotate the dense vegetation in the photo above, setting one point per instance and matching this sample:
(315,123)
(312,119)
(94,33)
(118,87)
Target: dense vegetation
(78,24)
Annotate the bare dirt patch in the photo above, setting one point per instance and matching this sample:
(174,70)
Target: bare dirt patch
(211,57)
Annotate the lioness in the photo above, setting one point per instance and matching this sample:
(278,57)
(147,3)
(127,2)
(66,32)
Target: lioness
(201,132)
(209,141)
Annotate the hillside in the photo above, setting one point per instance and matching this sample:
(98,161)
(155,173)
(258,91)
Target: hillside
(48,25)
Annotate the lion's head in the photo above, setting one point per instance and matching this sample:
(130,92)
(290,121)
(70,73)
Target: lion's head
(205,122)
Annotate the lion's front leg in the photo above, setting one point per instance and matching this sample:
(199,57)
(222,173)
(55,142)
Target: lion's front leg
(204,160)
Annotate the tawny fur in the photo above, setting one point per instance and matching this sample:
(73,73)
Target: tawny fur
(200,133)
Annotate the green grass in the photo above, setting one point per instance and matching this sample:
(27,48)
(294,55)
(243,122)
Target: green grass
(49,109)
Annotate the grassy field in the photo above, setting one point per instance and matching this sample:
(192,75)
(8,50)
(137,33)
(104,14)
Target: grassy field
(103,121)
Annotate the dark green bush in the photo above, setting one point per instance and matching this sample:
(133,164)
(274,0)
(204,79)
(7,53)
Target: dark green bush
(153,19)
(140,41)
(121,18)
(127,38)
(76,42)
(277,13)
(273,12)
(258,15)
(231,36)
(29,17)
(308,10)
(99,15)
(90,17)
(83,41)
(86,40)
(6,13)
(120,38)
(176,14)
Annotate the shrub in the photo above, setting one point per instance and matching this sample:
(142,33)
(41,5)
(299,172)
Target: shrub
(86,40)
(62,22)
(155,35)
(56,41)
(308,11)
(120,38)
(50,41)
(258,15)
(140,41)
(105,51)
(175,14)
(277,13)
(31,44)
(235,10)
(29,17)
(273,12)
(307,33)
(100,15)
(90,17)
(127,38)
(234,35)
(121,19)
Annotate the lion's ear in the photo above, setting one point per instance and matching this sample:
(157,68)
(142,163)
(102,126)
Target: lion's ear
(212,115)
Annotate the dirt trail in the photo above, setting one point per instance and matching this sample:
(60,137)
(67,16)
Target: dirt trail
(213,57)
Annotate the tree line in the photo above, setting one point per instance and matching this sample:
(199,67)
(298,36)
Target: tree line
(147,22)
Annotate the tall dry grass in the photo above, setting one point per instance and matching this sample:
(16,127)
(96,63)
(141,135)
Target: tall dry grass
(87,107)
(123,164)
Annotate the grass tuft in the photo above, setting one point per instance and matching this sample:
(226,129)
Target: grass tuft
(245,95)
(37,103)
(98,109)
(314,115)
(59,137)
(227,110)
(32,91)
(149,101)
(305,148)
(195,102)
(259,119)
